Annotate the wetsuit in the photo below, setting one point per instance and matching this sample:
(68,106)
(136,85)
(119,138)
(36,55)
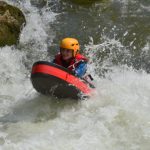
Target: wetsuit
(78,64)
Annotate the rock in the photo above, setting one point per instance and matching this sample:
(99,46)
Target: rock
(12,21)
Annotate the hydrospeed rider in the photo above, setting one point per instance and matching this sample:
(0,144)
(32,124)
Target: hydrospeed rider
(70,58)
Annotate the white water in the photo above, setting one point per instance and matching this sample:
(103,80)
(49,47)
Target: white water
(115,119)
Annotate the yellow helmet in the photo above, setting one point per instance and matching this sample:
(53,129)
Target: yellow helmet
(71,44)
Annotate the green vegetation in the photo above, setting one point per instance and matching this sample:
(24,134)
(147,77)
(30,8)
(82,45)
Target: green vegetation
(87,2)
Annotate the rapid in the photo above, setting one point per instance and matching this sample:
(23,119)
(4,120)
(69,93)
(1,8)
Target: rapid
(115,35)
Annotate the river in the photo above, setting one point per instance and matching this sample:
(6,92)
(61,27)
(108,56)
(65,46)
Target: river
(115,35)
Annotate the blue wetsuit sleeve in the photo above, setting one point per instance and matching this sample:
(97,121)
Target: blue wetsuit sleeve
(80,70)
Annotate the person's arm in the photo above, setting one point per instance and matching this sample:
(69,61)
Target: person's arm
(80,70)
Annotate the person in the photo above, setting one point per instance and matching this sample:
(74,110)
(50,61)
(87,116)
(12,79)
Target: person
(70,58)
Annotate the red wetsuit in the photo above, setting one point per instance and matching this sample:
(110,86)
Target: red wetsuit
(73,63)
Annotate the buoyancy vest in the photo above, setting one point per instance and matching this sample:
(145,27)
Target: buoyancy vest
(73,63)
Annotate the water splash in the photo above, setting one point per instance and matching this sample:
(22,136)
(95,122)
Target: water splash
(117,118)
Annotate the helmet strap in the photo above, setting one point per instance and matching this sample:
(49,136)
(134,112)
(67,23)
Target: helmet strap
(76,52)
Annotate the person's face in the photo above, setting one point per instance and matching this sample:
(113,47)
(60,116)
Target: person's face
(66,54)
